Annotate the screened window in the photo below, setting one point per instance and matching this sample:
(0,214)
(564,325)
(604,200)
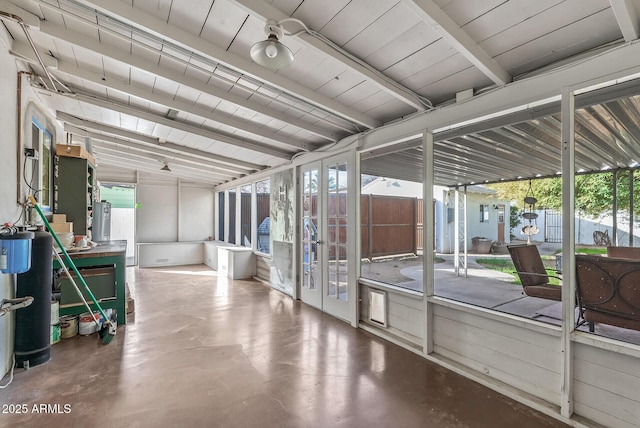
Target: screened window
(245,216)
(263,202)
(484,213)
(41,141)
(232,216)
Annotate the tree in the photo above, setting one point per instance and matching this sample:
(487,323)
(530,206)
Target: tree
(593,192)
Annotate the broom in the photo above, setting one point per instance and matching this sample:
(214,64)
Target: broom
(108,329)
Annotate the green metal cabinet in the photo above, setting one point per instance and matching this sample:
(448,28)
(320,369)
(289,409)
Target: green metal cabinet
(74,191)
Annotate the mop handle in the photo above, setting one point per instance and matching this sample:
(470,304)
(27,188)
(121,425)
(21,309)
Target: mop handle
(64,267)
(66,256)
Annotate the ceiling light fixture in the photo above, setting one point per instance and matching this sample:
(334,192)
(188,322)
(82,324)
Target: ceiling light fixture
(165,167)
(271,53)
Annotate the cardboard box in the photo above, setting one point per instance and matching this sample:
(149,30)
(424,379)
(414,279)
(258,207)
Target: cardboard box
(62,227)
(59,218)
(74,151)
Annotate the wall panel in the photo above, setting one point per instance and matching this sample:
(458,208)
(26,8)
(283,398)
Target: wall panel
(527,359)
(606,386)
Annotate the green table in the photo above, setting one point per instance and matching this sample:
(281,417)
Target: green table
(107,253)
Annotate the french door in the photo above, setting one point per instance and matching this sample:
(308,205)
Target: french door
(327,221)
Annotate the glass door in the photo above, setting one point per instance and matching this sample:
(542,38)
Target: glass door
(311,275)
(327,215)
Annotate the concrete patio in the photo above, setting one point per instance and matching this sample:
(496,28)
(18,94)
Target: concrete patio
(495,290)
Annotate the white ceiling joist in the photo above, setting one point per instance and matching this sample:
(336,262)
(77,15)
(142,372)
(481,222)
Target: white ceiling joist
(595,69)
(67,118)
(86,43)
(159,156)
(27,17)
(25,52)
(169,102)
(141,163)
(264,11)
(157,150)
(225,162)
(159,28)
(627,16)
(180,78)
(431,13)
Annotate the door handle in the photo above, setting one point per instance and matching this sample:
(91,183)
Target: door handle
(319,242)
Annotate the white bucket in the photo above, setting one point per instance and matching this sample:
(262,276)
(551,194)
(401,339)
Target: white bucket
(86,325)
(55,312)
(69,326)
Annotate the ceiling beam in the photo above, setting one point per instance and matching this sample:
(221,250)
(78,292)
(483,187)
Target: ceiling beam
(109,158)
(191,42)
(27,17)
(265,11)
(431,13)
(24,52)
(122,149)
(196,130)
(163,120)
(173,103)
(595,69)
(157,150)
(101,127)
(192,129)
(233,165)
(628,20)
(155,68)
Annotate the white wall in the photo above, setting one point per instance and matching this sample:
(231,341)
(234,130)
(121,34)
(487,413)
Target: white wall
(173,212)
(196,214)
(157,213)
(10,190)
(121,219)
(584,228)
(9,209)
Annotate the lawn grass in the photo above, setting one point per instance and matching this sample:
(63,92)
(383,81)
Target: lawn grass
(506,266)
(587,250)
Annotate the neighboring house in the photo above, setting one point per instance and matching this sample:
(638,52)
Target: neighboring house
(487,216)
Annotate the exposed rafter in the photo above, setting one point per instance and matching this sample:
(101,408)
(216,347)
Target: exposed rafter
(168,102)
(107,156)
(193,129)
(131,150)
(24,51)
(264,11)
(159,28)
(431,13)
(159,150)
(94,46)
(627,16)
(181,78)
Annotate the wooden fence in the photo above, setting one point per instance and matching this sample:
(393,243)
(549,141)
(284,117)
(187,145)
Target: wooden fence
(390,225)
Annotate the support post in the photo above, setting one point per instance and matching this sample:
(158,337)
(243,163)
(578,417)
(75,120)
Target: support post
(568,249)
(631,203)
(428,230)
(614,208)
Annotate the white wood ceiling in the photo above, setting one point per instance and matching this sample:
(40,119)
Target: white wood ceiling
(149,81)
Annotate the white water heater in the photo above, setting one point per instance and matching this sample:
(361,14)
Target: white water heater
(101,223)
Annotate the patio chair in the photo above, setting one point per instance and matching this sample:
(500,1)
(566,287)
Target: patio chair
(632,253)
(533,275)
(608,290)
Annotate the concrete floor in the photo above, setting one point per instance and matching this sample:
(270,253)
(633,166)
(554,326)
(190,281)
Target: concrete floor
(203,351)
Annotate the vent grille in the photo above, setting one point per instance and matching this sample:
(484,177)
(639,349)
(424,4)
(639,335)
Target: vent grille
(378,307)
